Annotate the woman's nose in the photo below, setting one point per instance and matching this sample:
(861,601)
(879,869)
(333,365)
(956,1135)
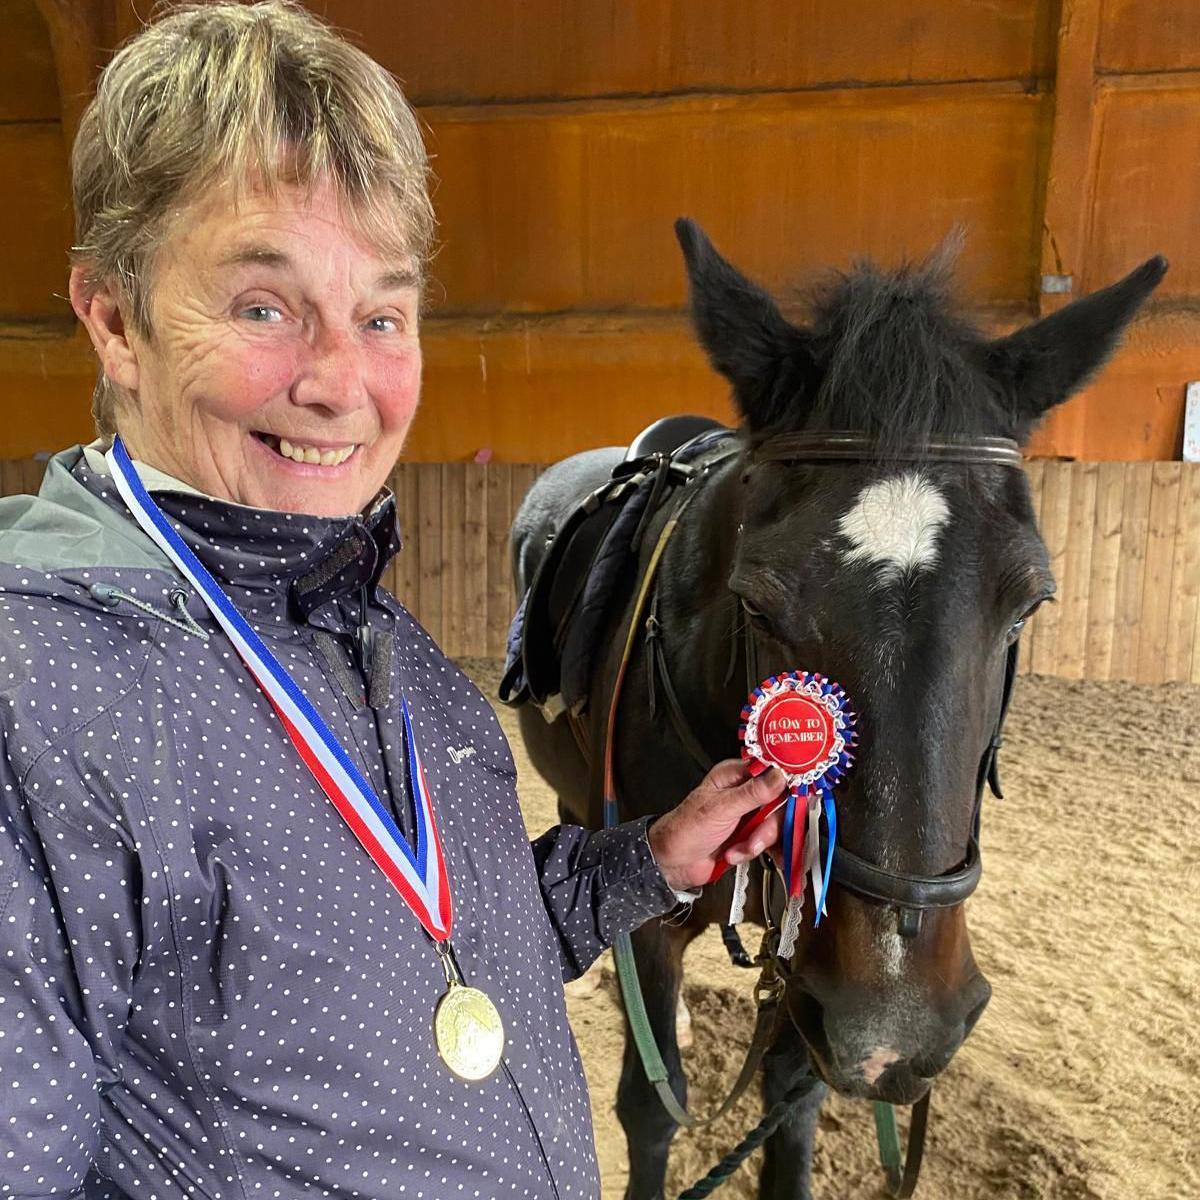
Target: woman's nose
(332,374)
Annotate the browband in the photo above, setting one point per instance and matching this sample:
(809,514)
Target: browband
(857,447)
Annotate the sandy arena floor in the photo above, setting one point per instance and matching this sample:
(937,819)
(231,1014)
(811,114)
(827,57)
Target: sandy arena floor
(1080,1081)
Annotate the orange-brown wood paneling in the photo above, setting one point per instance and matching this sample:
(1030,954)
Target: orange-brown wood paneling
(463,50)
(28,91)
(553,207)
(33,201)
(1147,189)
(1149,35)
(801,132)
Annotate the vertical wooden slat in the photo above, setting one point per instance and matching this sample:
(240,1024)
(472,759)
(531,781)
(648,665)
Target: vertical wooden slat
(1033,472)
(1054,522)
(1183,620)
(32,471)
(408,561)
(1106,557)
(1160,559)
(454,596)
(1131,570)
(499,574)
(429,546)
(1124,541)
(12,477)
(1075,582)
(475,549)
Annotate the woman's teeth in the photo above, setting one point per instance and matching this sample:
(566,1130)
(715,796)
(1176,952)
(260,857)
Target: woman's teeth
(310,454)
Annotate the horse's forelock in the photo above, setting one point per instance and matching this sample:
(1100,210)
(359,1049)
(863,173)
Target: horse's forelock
(895,359)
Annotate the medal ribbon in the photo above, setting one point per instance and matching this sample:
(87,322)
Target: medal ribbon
(420,876)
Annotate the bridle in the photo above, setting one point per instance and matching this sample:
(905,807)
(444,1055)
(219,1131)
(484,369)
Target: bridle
(910,894)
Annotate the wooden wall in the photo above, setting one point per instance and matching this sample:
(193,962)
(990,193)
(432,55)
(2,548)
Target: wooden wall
(1124,541)
(1063,134)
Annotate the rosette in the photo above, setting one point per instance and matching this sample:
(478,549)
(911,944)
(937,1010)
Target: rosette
(803,724)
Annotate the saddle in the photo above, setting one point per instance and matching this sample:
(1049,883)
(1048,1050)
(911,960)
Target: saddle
(556,632)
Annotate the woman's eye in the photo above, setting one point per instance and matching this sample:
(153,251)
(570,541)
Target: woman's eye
(262,313)
(383,324)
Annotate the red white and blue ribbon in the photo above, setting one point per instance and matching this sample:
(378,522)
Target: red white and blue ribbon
(801,723)
(419,876)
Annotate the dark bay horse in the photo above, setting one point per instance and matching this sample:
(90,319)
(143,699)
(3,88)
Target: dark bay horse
(905,578)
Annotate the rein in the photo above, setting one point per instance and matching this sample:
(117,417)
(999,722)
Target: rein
(910,894)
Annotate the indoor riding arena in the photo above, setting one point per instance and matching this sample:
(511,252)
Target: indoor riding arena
(1056,143)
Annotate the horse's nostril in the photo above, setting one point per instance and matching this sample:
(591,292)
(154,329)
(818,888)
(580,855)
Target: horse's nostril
(973,1016)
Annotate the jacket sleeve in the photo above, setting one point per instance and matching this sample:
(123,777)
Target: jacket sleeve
(69,943)
(597,884)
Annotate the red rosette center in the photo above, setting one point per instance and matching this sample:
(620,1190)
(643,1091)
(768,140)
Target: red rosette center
(795,733)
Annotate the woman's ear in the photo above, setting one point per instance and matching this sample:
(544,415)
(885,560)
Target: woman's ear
(99,308)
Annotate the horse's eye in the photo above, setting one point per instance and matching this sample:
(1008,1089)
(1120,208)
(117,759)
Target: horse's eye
(1015,629)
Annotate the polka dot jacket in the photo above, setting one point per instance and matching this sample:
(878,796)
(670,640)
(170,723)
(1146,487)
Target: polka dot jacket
(207,989)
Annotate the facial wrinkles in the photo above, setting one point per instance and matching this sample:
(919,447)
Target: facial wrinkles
(215,376)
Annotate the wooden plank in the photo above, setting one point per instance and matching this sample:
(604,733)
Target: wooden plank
(408,561)
(35,199)
(1075,579)
(429,609)
(475,550)
(1054,523)
(538,389)
(12,477)
(500,600)
(454,582)
(1131,570)
(81,32)
(488,50)
(523,476)
(1147,187)
(1150,35)
(1183,622)
(1034,469)
(1106,557)
(585,223)
(1069,178)
(1160,561)
(32,471)
(28,89)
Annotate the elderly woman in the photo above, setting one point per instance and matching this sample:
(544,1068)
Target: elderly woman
(261,932)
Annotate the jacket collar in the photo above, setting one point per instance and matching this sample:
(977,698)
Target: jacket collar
(275,566)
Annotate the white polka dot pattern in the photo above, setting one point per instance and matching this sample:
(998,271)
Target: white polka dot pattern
(206,987)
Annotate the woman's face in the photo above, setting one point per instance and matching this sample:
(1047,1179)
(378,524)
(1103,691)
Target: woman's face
(284,365)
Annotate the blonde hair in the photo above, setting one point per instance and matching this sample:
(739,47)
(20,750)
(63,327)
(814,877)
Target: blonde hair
(233,92)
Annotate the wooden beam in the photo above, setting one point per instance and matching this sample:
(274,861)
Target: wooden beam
(1069,185)
(81,35)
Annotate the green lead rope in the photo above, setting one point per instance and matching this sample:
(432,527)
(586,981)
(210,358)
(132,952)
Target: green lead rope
(902,1170)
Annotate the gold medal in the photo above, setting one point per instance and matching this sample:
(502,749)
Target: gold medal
(467,1027)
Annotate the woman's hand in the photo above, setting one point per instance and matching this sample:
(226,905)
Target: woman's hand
(691,839)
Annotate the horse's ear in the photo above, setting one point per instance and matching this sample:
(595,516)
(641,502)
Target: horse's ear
(746,337)
(1047,362)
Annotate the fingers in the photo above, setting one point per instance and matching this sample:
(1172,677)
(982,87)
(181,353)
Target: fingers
(754,793)
(728,773)
(762,837)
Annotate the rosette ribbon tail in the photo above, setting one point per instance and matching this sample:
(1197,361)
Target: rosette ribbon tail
(814,853)
(793,848)
(831,834)
(789,833)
